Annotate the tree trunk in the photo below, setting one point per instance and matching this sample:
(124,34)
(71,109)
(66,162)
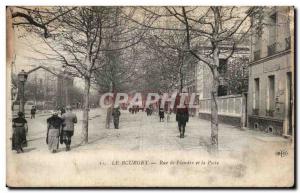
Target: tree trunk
(109,110)
(214,113)
(85,121)
(214,104)
(181,60)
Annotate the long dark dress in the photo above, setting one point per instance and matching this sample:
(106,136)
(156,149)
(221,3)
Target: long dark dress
(54,126)
(19,133)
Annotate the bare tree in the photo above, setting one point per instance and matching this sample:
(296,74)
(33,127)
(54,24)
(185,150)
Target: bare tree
(38,19)
(220,27)
(166,61)
(80,43)
(211,33)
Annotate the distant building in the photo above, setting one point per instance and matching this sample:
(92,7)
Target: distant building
(271,74)
(233,82)
(64,90)
(234,75)
(48,88)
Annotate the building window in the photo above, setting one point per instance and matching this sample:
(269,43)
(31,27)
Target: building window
(257,47)
(257,37)
(271,96)
(222,66)
(272,34)
(257,55)
(256,97)
(288,43)
(222,90)
(222,69)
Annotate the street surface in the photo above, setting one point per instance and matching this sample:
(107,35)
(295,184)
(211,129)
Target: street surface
(141,132)
(243,154)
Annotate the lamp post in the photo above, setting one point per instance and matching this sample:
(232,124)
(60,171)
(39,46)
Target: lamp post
(22,77)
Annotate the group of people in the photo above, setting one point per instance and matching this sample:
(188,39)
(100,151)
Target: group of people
(60,129)
(134,109)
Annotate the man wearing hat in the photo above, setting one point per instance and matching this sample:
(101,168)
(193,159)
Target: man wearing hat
(54,126)
(69,119)
(182,117)
(116,114)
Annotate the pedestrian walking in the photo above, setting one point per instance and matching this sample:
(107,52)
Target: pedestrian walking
(32,112)
(161,114)
(108,117)
(20,129)
(62,110)
(182,117)
(168,116)
(148,111)
(54,127)
(69,119)
(116,115)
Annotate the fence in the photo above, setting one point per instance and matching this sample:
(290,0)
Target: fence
(231,109)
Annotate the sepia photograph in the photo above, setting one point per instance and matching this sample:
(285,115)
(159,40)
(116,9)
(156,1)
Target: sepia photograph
(150,96)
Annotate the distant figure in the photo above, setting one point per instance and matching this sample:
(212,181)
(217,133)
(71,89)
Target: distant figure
(182,117)
(54,127)
(32,112)
(148,111)
(20,129)
(62,110)
(168,116)
(151,109)
(69,119)
(161,114)
(116,114)
(108,117)
(135,109)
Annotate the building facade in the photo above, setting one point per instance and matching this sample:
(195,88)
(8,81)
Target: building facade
(270,105)
(234,75)
(233,83)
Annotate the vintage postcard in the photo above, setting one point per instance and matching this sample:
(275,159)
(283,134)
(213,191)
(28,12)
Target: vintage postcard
(163,96)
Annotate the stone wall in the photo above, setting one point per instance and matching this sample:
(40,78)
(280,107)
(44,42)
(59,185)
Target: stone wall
(230,120)
(268,125)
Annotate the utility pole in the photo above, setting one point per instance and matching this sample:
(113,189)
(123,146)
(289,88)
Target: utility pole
(22,77)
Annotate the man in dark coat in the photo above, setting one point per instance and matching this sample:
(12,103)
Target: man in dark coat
(54,127)
(116,114)
(148,111)
(32,112)
(20,130)
(69,119)
(62,110)
(182,117)
(161,114)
